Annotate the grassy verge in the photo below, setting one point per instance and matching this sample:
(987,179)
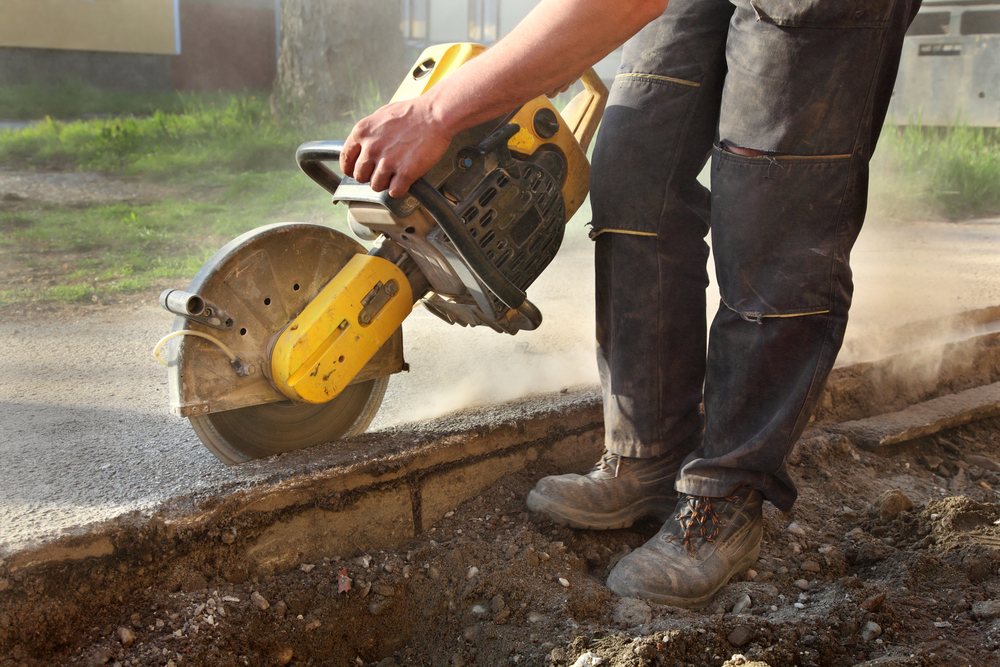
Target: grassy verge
(231,162)
(66,254)
(944,173)
(72,100)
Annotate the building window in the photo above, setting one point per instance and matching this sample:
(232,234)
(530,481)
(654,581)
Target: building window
(981,22)
(484,21)
(414,18)
(930,23)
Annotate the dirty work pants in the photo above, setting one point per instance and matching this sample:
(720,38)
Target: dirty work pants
(805,81)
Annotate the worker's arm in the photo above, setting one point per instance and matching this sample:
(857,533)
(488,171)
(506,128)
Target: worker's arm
(557,41)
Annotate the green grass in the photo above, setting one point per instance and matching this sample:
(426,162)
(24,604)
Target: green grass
(237,136)
(950,173)
(65,254)
(233,160)
(73,100)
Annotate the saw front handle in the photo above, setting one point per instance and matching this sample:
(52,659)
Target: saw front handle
(583,113)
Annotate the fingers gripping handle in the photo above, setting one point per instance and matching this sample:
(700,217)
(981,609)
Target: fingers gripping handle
(583,113)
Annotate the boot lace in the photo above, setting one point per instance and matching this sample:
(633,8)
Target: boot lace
(608,461)
(700,521)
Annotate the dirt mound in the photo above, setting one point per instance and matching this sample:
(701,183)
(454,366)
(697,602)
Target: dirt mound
(843,580)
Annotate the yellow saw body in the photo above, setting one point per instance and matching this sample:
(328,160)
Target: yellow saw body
(287,336)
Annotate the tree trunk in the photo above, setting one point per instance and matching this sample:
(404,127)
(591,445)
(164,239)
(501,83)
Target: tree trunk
(338,57)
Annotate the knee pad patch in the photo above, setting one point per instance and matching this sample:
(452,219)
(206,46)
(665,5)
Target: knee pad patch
(779,234)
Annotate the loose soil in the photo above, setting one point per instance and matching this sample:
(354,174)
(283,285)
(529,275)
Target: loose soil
(853,576)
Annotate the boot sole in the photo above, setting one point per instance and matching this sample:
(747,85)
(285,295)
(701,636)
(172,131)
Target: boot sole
(657,506)
(685,603)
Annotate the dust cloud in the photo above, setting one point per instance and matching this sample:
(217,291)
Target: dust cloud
(912,281)
(452,368)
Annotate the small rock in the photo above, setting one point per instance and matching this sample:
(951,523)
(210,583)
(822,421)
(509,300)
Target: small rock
(307,567)
(343,581)
(457,660)
(891,504)
(532,559)
(535,617)
(631,612)
(942,624)
(986,610)
(588,659)
(280,608)
(312,625)
(959,482)
(510,552)
(472,573)
(479,610)
(383,590)
(933,462)
(259,600)
(741,606)
(811,566)
(433,573)
(799,605)
(795,528)
(365,561)
(497,604)
(4,584)
(126,636)
(982,462)
(563,582)
(100,657)
(871,631)
(283,655)
(873,603)
(801,584)
(739,636)
(751,574)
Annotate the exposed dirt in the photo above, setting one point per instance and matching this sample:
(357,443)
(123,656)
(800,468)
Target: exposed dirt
(852,576)
(76,189)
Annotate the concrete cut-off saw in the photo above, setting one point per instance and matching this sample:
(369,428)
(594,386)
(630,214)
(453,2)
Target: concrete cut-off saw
(287,336)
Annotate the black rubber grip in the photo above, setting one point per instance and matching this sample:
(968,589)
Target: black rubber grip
(311,157)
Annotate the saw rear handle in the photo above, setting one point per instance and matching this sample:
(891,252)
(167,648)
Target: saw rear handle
(311,157)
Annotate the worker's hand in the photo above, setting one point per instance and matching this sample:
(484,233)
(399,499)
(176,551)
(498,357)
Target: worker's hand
(394,146)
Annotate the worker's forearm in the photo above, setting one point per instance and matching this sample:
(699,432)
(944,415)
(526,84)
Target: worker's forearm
(552,45)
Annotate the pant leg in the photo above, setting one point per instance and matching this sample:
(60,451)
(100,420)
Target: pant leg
(808,82)
(650,221)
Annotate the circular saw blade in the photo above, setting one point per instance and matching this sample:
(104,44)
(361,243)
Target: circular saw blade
(256,431)
(263,280)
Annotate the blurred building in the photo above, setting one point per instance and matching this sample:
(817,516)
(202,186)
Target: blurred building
(950,67)
(426,22)
(140,45)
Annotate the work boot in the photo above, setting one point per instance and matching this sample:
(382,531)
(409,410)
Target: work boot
(614,494)
(705,542)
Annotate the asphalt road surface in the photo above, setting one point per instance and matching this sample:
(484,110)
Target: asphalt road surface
(87,435)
